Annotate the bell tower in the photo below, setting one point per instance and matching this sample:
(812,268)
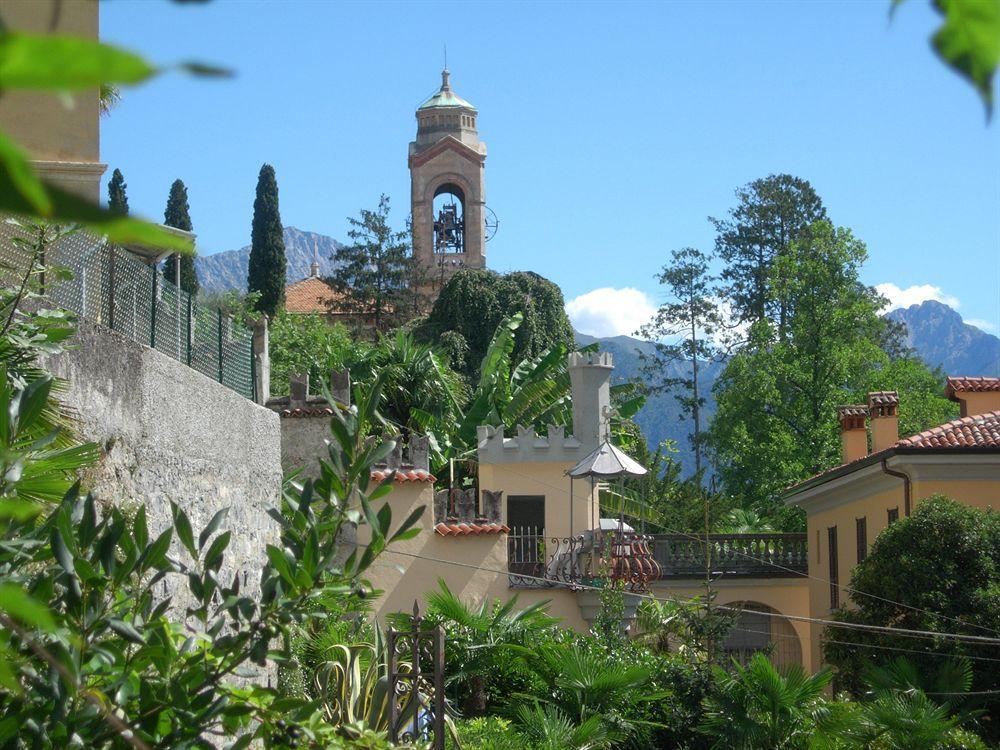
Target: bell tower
(447,186)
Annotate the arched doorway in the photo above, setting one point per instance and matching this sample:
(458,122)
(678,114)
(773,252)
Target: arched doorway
(762,628)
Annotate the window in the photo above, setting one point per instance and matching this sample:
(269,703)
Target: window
(831,535)
(862,528)
(893,515)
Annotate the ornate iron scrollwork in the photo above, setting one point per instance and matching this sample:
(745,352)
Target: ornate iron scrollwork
(416,683)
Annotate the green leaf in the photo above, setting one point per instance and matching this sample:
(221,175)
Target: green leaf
(61,551)
(183,525)
(65,63)
(20,605)
(68,208)
(126,631)
(214,554)
(23,177)
(213,525)
(969,41)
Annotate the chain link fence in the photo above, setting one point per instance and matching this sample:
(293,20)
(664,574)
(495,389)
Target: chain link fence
(111,286)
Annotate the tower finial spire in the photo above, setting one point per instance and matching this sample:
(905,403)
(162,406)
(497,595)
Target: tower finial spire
(445,80)
(314,268)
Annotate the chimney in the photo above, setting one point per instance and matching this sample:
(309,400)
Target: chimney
(340,387)
(882,407)
(590,378)
(975,395)
(853,432)
(298,390)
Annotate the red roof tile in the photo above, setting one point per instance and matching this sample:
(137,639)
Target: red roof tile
(977,431)
(475,529)
(961,384)
(403,475)
(312,295)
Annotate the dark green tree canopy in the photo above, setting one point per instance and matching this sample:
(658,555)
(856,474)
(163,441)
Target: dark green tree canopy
(474,302)
(117,199)
(266,271)
(769,215)
(375,273)
(937,570)
(177,215)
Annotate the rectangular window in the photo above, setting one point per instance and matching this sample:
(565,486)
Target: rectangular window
(893,515)
(862,524)
(831,535)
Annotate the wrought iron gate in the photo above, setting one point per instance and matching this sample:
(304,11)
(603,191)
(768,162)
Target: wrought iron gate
(417,705)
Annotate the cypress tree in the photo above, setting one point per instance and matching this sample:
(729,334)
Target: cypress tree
(176,215)
(266,272)
(117,200)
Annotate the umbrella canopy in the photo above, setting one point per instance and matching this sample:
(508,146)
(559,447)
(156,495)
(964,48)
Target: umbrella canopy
(607,462)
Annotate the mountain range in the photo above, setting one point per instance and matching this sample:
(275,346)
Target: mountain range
(226,271)
(935,331)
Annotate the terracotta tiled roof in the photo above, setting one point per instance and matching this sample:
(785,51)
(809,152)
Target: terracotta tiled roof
(971,385)
(878,398)
(403,475)
(852,410)
(475,529)
(312,295)
(977,431)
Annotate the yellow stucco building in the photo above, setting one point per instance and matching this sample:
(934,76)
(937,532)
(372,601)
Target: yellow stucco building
(883,478)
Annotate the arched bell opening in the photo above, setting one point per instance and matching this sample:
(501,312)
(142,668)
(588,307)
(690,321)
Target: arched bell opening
(449,219)
(760,628)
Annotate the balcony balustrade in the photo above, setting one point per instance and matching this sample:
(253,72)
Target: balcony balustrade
(636,560)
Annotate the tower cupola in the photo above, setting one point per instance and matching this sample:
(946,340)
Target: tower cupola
(446,113)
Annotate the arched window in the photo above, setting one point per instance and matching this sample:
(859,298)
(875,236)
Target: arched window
(762,629)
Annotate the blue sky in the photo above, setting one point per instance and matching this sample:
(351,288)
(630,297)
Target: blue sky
(614,129)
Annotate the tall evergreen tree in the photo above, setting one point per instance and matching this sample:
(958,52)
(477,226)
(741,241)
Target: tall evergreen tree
(681,331)
(177,215)
(770,214)
(117,199)
(374,272)
(266,272)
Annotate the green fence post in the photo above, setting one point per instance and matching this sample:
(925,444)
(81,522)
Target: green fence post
(189,331)
(219,318)
(253,371)
(152,313)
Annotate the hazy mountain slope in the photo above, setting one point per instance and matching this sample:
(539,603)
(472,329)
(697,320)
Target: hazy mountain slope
(221,272)
(943,339)
(935,331)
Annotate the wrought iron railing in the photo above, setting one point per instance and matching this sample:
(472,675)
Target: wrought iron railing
(538,561)
(110,286)
(535,560)
(742,555)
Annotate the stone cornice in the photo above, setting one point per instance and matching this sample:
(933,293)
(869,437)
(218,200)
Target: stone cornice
(448,143)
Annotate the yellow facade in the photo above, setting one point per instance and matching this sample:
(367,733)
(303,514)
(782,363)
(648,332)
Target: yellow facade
(61,134)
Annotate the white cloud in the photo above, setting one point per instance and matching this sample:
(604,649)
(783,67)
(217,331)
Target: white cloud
(610,312)
(982,325)
(913,295)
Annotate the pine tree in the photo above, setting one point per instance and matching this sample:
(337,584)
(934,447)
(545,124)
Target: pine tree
(117,200)
(266,273)
(176,215)
(681,334)
(374,272)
